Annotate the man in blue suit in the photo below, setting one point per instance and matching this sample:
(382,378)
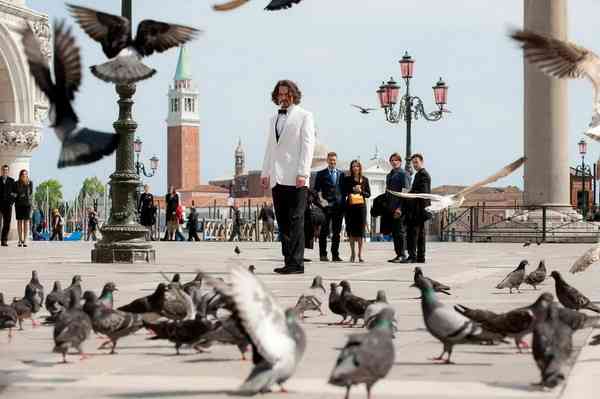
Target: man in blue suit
(328,183)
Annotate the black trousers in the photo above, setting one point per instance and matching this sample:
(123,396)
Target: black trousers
(236,232)
(290,204)
(415,239)
(6,212)
(399,236)
(193,235)
(333,218)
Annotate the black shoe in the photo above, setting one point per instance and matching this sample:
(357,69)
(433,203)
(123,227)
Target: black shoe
(420,261)
(337,259)
(289,270)
(408,260)
(395,260)
(324,259)
(4,244)
(307,260)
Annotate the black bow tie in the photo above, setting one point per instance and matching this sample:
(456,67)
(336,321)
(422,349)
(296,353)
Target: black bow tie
(283,112)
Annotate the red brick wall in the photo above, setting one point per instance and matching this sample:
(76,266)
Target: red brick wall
(183,155)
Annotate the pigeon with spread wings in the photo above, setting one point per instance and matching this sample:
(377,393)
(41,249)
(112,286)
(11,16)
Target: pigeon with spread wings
(441,202)
(80,145)
(274,5)
(590,257)
(564,60)
(363,110)
(125,53)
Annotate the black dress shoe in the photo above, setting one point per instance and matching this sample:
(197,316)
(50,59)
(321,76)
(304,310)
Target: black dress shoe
(395,260)
(324,259)
(307,260)
(409,260)
(337,259)
(289,270)
(4,244)
(420,261)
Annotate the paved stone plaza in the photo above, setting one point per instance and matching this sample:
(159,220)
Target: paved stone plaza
(147,369)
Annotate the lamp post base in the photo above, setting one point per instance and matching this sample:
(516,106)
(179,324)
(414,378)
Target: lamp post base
(123,244)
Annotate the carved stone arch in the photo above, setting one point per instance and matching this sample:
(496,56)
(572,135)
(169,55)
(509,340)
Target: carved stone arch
(18,77)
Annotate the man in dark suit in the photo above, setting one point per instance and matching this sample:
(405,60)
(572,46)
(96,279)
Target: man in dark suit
(328,183)
(397,180)
(7,199)
(416,215)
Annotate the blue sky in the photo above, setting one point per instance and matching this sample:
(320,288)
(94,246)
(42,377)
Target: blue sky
(338,51)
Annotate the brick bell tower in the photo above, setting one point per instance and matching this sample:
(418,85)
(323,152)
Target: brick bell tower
(183,133)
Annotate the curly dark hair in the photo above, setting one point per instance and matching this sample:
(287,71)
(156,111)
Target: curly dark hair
(294,90)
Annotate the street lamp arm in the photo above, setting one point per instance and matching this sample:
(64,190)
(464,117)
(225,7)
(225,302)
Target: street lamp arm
(420,111)
(140,167)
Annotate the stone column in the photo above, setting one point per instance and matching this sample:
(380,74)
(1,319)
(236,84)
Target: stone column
(546,130)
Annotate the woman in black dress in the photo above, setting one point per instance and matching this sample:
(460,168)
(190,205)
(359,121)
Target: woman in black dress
(23,202)
(356,190)
(146,211)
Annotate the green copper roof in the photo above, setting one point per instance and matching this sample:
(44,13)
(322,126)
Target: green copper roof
(183,66)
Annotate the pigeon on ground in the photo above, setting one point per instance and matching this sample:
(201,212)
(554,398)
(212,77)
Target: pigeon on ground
(75,287)
(114,324)
(527,243)
(335,302)
(125,53)
(367,357)
(477,315)
(107,295)
(252,269)
(514,279)
(177,304)
(227,331)
(437,286)
(184,332)
(8,316)
(24,309)
(313,298)
(447,325)
(590,257)
(363,110)
(569,296)
(564,60)
(237,250)
(537,276)
(278,341)
(80,145)
(355,305)
(150,307)
(35,292)
(72,328)
(191,287)
(441,202)
(375,308)
(274,5)
(56,301)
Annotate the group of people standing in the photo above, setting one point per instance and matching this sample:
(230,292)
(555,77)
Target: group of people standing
(20,194)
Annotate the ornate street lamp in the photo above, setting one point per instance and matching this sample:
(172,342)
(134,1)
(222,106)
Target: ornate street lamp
(409,107)
(123,239)
(585,170)
(139,166)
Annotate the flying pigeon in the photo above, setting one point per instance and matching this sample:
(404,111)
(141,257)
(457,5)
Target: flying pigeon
(367,357)
(8,316)
(437,286)
(569,296)
(590,257)
(106,298)
(355,305)
(125,53)
(56,301)
(564,60)
(335,303)
(150,307)
(514,279)
(537,276)
(363,110)
(114,324)
(447,325)
(72,328)
(375,308)
(278,341)
(312,299)
(441,202)
(274,5)
(80,145)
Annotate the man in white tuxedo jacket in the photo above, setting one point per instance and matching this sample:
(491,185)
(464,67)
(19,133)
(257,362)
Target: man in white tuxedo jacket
(286,169)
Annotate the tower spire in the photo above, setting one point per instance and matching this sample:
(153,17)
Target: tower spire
(183,71)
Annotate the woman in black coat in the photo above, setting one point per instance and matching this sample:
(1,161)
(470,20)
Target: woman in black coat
(147,211)
(356,190)
(23,203)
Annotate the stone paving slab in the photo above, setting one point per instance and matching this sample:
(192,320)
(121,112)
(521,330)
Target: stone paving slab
(148,369)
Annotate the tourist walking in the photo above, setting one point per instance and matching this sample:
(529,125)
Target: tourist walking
(147,211)
(286,169)
(416,214)
(23,204)
(328,184)
(192,224)
(37,223)
(356,189)
(7,199)
(397,180)
(57,226)
(267,217)
(92,225)
(172,202)
(236,223)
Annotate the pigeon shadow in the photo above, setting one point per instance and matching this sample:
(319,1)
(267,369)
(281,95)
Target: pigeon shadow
(433,363)
(171,394)
(39,363)
(521,387)
(212,359)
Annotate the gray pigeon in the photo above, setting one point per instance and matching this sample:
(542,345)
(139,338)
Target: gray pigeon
(227,332)
(75,287)
(313,298)
(125,54)
(8,316)
(376,308)
(354,305)
(150,307)
(570,297)
(366,358)
(446,324)
(335,302)
(72,328)
(274,5)
(35,292)
(537,276)
(514,279)
(56,301)
(106,298)
(112,323)
(437,286)
(278,341)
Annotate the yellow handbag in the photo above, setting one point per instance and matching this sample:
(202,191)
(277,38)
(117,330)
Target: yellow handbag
(356,199)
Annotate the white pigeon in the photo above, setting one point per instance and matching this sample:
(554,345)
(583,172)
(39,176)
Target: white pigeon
(441,202)
(564,60)
(590,257)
